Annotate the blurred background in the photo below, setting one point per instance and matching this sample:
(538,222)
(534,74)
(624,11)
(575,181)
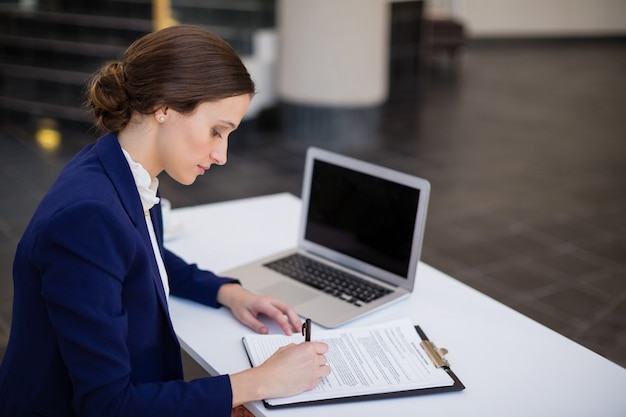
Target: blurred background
(513,110)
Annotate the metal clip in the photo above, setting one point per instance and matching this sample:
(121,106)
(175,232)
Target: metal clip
(436,354)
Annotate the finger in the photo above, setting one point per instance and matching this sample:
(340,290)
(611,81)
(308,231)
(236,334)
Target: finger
(322,360)
(252,322)
(285,316)
(320,348)
(284,323)
(293,319)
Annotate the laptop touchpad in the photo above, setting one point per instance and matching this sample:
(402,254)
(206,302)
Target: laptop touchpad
(289,293)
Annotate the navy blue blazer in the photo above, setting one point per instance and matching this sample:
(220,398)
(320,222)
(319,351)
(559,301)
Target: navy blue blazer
(91,333)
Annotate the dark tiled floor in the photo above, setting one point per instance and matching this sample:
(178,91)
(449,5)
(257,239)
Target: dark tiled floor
(525,147)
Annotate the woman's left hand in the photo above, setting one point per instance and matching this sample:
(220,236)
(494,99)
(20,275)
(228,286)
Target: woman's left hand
(247,306)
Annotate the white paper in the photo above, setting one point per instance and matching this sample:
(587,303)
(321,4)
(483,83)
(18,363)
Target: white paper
(368,360)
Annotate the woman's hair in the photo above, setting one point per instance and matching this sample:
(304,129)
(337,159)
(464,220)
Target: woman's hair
(178,67)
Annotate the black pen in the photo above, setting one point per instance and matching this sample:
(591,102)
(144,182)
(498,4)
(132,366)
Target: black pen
(306,330)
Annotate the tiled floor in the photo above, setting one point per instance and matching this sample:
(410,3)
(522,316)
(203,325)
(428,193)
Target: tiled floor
(525,147)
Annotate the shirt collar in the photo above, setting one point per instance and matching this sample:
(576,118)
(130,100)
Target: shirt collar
(146,186)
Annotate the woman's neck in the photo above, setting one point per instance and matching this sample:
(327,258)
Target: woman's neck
(138,139)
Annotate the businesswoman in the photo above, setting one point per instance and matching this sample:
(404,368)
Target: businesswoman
(91,334)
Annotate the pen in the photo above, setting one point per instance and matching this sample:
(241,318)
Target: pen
(306,330)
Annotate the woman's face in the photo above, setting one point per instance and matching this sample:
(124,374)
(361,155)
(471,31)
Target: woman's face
(189,144)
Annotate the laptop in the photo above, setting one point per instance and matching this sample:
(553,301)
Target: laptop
(359,241)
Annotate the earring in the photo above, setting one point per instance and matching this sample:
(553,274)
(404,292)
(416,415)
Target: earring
(161,119)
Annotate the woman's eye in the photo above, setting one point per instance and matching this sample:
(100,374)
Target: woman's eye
(217,134)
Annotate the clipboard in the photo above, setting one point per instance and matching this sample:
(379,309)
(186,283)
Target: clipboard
(437,357)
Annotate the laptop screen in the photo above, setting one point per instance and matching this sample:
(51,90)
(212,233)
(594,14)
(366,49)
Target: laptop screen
(362,216)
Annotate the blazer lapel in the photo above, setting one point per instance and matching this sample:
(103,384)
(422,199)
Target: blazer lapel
(115,165)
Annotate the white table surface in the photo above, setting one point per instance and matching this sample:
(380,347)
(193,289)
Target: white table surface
(510,364)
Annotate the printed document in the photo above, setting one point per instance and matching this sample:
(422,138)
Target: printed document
(382,358)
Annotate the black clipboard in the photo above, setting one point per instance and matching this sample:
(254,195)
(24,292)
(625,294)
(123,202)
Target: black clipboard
(437,356)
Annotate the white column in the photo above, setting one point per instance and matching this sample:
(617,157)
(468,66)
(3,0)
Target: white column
(333,63)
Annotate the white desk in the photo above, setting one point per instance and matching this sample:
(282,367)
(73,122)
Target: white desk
(510,364)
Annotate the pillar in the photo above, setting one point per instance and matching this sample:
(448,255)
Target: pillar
(332,67)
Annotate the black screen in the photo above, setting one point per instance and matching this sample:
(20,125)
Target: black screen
(362,216)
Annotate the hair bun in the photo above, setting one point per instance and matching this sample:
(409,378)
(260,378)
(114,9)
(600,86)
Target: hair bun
(107,98)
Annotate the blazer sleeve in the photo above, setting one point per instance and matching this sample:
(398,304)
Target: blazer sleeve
(84,254)
(189,281)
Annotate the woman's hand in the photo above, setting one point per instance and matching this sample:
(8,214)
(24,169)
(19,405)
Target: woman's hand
(290,370)
(247,307)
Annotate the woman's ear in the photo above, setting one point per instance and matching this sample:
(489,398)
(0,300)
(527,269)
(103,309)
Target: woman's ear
(160,114)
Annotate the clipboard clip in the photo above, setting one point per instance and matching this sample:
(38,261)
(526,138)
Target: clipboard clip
(437,355)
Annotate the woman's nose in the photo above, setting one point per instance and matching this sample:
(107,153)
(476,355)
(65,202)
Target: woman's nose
(219,153)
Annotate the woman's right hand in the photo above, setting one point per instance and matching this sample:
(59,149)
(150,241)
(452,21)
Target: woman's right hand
(290,370)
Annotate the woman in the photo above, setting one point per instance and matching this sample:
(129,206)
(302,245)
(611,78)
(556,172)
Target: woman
(91,334)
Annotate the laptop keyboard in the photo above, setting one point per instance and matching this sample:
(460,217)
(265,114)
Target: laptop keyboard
(335,282)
